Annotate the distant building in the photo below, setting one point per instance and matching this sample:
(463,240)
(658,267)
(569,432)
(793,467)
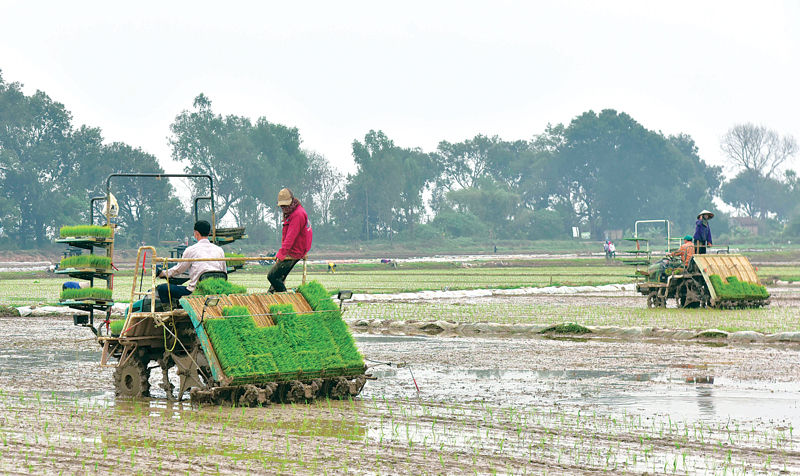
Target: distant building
(746,223)
(613,234)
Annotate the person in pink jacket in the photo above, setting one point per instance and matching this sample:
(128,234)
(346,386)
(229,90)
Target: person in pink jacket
(296,240)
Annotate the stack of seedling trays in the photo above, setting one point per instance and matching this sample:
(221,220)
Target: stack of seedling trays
(88,267)
(226,236)
(234,265)
(734,293)
(268,340)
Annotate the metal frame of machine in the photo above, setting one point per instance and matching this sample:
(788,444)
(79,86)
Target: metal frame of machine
(173,337)
(691,285)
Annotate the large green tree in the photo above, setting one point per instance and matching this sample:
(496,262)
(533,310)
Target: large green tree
(612,171)
(384,197)
(491,201)
(35,164)
(217,146)
(279,163)
(250,163)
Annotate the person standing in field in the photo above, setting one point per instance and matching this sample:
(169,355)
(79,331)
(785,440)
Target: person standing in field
(702,233)
(296,240)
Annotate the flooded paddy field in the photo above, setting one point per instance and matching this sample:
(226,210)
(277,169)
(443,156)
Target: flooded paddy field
(536,405)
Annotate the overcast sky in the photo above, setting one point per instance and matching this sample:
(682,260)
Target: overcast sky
(420,71)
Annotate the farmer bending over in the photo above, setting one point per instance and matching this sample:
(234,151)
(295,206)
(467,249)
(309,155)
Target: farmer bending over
(202,249)
(296,240)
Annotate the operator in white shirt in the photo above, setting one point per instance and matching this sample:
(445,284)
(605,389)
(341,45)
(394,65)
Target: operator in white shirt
(202,249)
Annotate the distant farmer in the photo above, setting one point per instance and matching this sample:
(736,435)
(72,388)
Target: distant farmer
(686,251)
(612,250)
(74,285)
(202,249)
(702,233)
(296,240)
(331,267)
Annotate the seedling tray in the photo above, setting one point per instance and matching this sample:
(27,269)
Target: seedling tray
(247,346)
(87,305)
(86,242)
(226,240)
(85,273)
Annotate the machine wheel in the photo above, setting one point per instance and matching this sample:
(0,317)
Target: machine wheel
(654,300)
(689,294)
(132,379)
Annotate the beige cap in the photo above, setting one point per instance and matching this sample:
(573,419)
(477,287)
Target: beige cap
(705,212)
(285,197)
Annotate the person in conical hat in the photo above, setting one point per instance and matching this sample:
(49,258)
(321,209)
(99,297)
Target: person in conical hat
(702,232)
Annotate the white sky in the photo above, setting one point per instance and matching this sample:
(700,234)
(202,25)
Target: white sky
(420,71)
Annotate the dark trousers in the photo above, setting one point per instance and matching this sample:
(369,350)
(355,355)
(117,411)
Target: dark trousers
(277,274)
(700,247)
(164,291)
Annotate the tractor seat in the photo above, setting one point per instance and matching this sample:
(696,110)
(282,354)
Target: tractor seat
(213,274)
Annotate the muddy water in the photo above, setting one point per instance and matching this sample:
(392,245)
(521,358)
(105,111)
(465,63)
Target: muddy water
(686,380)
(567,406)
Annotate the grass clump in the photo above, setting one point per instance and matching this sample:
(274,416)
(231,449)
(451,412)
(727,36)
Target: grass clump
(86,230)
(216,287)
(566,328)
(297,345)
(234,263)
(86,261)
(712,334)
(735,289)
(97,293)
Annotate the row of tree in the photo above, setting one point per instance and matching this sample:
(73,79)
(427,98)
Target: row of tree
(602,171)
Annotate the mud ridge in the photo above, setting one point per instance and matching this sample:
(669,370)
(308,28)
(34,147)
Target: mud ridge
(490,329)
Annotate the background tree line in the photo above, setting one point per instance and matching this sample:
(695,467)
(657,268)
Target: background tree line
(602,171)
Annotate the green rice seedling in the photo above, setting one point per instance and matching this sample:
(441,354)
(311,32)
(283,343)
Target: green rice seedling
(304,343)
(328,314)
(86,261)
(85,230)
(217,286)
(232,357)
(234,263)
(735,289)
(97,293)
(116,326)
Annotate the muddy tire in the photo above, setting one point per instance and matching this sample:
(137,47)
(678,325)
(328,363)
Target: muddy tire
(654,300)
(132,379)
(689,294)
(341,388)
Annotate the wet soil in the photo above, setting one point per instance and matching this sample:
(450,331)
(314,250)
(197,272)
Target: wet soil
(786,296)
(564,405)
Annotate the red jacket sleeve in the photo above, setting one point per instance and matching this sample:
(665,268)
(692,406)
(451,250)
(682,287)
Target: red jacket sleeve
(291,228)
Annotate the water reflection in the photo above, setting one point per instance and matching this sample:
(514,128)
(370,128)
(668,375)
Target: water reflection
(705,401)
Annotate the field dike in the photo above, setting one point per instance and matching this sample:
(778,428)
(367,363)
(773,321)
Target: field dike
(491,329)
(121,308)
(476,293)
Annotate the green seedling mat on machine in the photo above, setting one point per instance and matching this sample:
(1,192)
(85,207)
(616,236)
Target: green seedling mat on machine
(85,231)
(291,346)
